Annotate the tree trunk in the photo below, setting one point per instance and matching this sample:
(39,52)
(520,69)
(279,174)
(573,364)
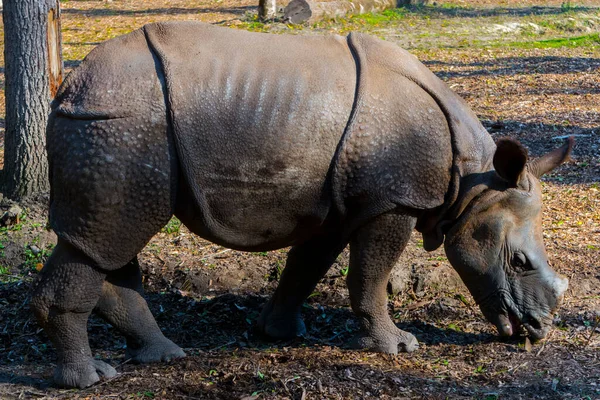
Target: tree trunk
(267,9)
(33,72)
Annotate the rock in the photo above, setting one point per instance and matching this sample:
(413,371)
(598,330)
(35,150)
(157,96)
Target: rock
(11,216)
(297,12)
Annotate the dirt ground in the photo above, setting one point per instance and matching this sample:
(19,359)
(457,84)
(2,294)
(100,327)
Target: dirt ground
(530,70)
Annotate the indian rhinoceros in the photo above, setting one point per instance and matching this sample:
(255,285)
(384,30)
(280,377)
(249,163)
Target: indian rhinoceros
(258,142)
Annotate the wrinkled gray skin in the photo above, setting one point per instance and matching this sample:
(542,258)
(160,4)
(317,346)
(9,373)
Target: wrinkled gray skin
(258,142)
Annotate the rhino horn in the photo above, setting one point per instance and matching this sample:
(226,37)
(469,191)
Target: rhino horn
(549,161)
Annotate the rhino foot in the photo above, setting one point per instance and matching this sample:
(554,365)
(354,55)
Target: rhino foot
(162,351)
(389,341)
(83,374)
(280,324)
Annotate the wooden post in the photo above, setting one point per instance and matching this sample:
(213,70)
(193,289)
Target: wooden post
(267,9)
(55,60)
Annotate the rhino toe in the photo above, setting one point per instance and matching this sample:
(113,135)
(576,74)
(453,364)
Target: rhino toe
(163,351)
(389,342)
(82,375)
(408,343)
(280,325)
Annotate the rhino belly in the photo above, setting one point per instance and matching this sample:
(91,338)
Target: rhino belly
(257,213)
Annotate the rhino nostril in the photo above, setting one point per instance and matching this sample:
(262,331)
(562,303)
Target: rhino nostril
(534,323)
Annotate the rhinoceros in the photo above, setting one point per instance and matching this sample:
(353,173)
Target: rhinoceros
(258,142)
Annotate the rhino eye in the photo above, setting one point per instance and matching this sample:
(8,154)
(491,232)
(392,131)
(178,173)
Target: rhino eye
(519,261)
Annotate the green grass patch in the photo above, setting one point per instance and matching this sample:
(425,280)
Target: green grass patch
(591,40)
(6,276)
(379,18)
(438,258)
(34,260)
(480,369)
(363,22)
(567,6)
(80,38)
(251,23)
(172,226)
(253,26)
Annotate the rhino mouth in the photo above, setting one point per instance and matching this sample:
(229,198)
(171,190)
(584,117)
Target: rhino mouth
(536,328)
(510,323)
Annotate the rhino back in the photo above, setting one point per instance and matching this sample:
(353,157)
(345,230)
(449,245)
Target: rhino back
(119,78)
(257,119)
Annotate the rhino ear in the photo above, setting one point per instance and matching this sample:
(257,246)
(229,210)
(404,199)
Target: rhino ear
(510,160)
(430,225)
(432,240)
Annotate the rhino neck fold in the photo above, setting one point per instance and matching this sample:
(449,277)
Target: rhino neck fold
(338,176)
(457,147)
(472,187)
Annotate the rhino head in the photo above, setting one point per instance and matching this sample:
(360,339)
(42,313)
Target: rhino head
(496,243)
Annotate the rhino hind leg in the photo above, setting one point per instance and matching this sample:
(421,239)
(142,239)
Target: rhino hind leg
(62,302)
(124,307)
(306,264)
(374,249)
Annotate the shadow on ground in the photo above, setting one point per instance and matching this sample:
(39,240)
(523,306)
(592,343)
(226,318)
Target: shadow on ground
(432,335)
(7,377)
(228,320)
(505,66)
(225,321)
(215,333)
(109,12)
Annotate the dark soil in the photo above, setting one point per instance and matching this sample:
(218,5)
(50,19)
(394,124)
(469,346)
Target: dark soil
(206,298)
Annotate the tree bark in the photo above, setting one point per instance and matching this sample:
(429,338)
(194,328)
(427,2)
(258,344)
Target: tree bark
(267,9)
(33,72)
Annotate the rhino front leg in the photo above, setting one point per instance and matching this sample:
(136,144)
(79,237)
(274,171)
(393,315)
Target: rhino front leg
(306,264)
(374,250)
(123,306)
(62,302)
